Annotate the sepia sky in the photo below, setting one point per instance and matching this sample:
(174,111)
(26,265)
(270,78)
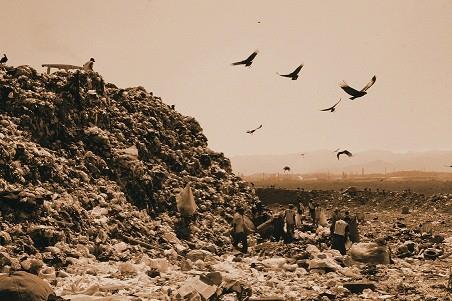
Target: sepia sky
(182,51)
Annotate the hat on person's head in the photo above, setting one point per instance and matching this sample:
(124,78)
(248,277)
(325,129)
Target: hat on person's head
(291,206)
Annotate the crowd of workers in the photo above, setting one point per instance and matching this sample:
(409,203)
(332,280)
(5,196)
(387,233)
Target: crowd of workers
(282,223)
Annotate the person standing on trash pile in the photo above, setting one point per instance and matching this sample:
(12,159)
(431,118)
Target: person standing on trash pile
(278,224)
(240,230)
(311,207)
(290,222)
(353,228)
(340,236)
(334,218)
(88,66)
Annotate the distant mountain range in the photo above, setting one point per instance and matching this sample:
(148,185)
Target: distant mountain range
(325,161)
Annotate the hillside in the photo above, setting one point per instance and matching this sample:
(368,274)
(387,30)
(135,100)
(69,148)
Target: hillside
(85,165)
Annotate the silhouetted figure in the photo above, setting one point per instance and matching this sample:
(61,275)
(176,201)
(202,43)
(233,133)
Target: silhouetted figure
(240,230)
(289,217)
(88,66)
(278,224)
(355,93)
(286,168)
(4,59)
(333,108)
(345,152)
(253,130)
(294,74)
(248,61)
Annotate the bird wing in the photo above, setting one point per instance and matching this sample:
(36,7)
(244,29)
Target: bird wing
(286,75)
(369,84)
(340,99)
(338,154)
(239,63)
(324,110)
(259,127)
(349,90)
(295,72)
(252,56)
(347,153)
(329,109)
(250,131)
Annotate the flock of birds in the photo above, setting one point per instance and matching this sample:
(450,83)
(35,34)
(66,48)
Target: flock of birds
(294,76)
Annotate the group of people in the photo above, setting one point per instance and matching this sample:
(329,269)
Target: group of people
(281,224)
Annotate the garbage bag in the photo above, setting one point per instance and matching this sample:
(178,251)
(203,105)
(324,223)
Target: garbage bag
(23,286)
(186,202)
(370,253)
(249,224)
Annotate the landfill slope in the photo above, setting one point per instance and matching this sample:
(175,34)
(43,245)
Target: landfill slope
(85,165)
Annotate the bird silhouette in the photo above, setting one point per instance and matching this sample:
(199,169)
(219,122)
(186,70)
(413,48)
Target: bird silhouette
(355,93)
(448,165)
(333,108)
(294,74)
(345,152)
(286,168)
(252,131)
(4,59)
(248,61)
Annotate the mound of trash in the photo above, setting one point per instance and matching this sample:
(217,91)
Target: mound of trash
(86,167)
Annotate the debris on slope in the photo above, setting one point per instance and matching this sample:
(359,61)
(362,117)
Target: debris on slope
(85,166)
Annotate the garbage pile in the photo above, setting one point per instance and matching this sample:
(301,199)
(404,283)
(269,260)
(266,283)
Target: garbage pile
(86,167)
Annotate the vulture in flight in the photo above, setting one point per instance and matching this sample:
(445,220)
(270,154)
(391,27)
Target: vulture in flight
(333,108)
(294,74)
(346,152)
(253,130)
(248,61)
(355,93)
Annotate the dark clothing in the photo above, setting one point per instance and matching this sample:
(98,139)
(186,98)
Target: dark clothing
(278,225)
(240,237)
(353,229)
(338,243)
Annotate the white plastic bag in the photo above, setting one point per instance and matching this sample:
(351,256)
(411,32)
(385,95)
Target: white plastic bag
(185,201)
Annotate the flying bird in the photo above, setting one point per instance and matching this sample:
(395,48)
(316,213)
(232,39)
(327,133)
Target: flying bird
(333,108)
(248,61)
(302,155)
(252,131)
(4,59)
(286,168)
(448,165)
(294,74)
(355,93)
(346,152)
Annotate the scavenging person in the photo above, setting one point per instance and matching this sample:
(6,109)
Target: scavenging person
(340,235)
(278,224)
(290,222)
(240,230)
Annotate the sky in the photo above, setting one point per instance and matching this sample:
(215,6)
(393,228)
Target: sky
(182,51)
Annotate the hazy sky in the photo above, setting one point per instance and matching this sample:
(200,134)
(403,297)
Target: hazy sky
(182,50)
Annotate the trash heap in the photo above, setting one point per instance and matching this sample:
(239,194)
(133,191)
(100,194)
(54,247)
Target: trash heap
(86,166)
